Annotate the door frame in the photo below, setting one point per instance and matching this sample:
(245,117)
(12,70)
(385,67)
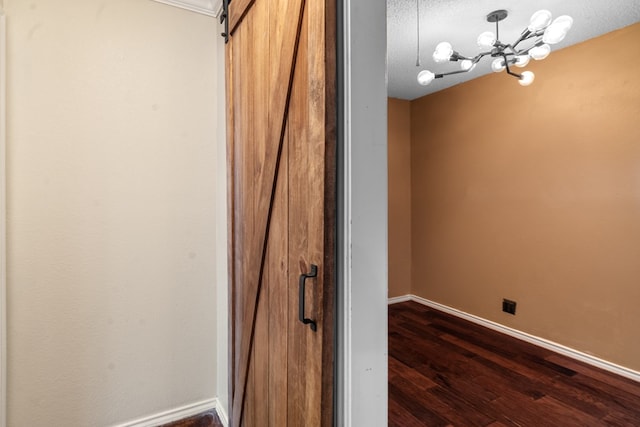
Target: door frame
(300,107)
(3,223)
(361,270)
(361,335)
(223,345)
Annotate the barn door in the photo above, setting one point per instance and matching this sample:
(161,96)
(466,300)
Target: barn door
(281,144)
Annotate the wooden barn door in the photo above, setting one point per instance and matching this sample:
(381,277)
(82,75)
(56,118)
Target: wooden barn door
(280,61)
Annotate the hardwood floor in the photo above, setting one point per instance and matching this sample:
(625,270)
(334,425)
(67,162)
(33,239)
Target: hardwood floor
(445,371)
(206,419)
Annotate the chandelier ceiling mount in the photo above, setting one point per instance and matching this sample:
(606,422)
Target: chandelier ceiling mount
(497,15)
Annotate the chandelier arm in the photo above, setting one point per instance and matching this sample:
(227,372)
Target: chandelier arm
(526,51)
(479,56)
(529,35)
(439,76)
(455,56)
(521,39)
(510,47)
(511,73)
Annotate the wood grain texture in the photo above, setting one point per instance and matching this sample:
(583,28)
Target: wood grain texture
(311,141)
(445,371)
(206,419)
(263,62)
(326,29)
(282,116)
(237,10)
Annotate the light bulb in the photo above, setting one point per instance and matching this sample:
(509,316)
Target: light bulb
(539,20)
(540,52)
(443,52)
(556,32)
(522,60)
(553,35)
(425,77)
(497,65)
(486,39)
(565,22)
(527,78)
(467,64)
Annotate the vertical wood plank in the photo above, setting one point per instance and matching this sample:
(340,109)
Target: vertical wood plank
(247,158)
(299,257)
(258,398)
(249,416)
(237,10)
(327,19)
(307,137)
(315,100)
(279,309)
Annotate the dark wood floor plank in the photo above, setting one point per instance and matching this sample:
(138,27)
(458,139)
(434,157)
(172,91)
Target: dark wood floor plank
(569,395)
(515,412)
(616,418)
(457,409)
(452,361)
(512,363)
(205,419)
(413,404)
(444,370)
(614,400)
(397,368)
(566,415)
(402,417)
(621,383)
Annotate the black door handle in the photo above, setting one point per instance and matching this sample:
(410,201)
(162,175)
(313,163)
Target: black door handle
(303,278)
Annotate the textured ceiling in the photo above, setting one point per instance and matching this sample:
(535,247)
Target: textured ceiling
(460,23)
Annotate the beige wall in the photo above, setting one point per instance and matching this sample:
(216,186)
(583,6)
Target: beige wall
(111,210)
(399,215)
(533,194)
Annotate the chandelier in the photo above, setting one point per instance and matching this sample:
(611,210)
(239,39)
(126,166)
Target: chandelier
(537,37)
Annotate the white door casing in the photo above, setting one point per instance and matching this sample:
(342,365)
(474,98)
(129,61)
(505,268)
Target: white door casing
(361,359)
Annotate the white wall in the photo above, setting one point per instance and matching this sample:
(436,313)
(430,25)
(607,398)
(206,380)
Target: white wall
(112,180)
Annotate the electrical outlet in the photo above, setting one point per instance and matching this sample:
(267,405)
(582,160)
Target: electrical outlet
(509,306)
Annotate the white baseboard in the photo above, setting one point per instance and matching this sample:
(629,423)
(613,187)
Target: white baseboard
(222,413)
(532,339)
(402,298)
(180,413)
